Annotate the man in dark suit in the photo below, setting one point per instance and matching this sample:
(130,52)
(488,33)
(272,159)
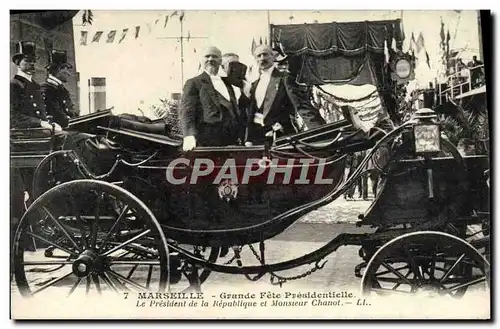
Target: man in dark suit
(277,105)
(209,113)
(26,103)
(57,98)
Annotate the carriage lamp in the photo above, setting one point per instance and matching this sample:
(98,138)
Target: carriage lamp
(426,132)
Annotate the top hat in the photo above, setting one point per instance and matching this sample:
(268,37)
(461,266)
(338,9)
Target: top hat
(24,49)
(58,58)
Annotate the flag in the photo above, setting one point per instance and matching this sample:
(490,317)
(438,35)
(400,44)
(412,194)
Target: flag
(83,38)
(166,21)
(181,16)
(124,34)
(174,13)
(442,35)
(420,43)
(265,40)
(111,36)
(137,29)
(189,36)
(393,45)
(156,22)
(448,43)
(386,52)
(97,36)
(254,45)
(260,40)
(194,50)
(427,59)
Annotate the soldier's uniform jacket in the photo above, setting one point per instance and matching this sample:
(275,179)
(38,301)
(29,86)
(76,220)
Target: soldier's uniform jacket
(27,106)
(58,101)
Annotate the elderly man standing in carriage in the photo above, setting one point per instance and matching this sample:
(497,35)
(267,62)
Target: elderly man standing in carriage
(277,103)
(56,97)
(209,113)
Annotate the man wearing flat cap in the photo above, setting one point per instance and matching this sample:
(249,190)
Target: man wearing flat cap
(277,105)
(26,102)
(55,95)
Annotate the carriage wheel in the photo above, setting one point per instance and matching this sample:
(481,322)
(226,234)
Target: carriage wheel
(53,170)
(425,263)
(78,235)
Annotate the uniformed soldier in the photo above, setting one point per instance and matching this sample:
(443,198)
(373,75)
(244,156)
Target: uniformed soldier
(27,106)
(56,97)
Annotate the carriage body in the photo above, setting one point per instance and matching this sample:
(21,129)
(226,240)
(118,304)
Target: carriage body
(221,209)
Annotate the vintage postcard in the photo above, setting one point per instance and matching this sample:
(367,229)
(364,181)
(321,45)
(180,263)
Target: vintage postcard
(238,164)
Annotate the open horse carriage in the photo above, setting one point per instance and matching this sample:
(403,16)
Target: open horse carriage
(125,209)
(128,210)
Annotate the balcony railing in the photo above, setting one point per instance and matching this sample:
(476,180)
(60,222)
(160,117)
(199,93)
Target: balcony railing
(462,81)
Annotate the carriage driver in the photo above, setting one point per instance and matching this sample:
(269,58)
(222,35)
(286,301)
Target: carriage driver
(57,98)
(26,104)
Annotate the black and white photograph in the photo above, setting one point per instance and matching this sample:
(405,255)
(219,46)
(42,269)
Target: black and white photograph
(184,164)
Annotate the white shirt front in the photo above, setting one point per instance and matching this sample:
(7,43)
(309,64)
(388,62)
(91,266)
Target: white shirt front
(260,91)
(24,75)
(219,85)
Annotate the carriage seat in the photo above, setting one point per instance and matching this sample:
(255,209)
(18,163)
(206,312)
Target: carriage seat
(140,124)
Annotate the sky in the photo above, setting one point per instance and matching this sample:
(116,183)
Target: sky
(140,71)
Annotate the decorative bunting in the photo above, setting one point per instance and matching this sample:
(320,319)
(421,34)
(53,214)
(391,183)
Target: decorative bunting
(111,36)
(97,36)
(83,38)
(124,34)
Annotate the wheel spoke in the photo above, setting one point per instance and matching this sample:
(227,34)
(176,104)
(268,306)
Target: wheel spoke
(399,283)
(87,288)
(130,282)
(150,272)
(95,224)
(467,284)
(50,262)
(120,246)
(116,282)
(134,262)
(96,282)
(108,281)
(77,283)
(50,283)
(115,224)
(397,269)
(445,276)
(72,253)
(62,228)
(399,275)
(79,223)
(390,291)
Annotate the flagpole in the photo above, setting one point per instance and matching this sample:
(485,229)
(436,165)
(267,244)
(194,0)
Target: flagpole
(182,55)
